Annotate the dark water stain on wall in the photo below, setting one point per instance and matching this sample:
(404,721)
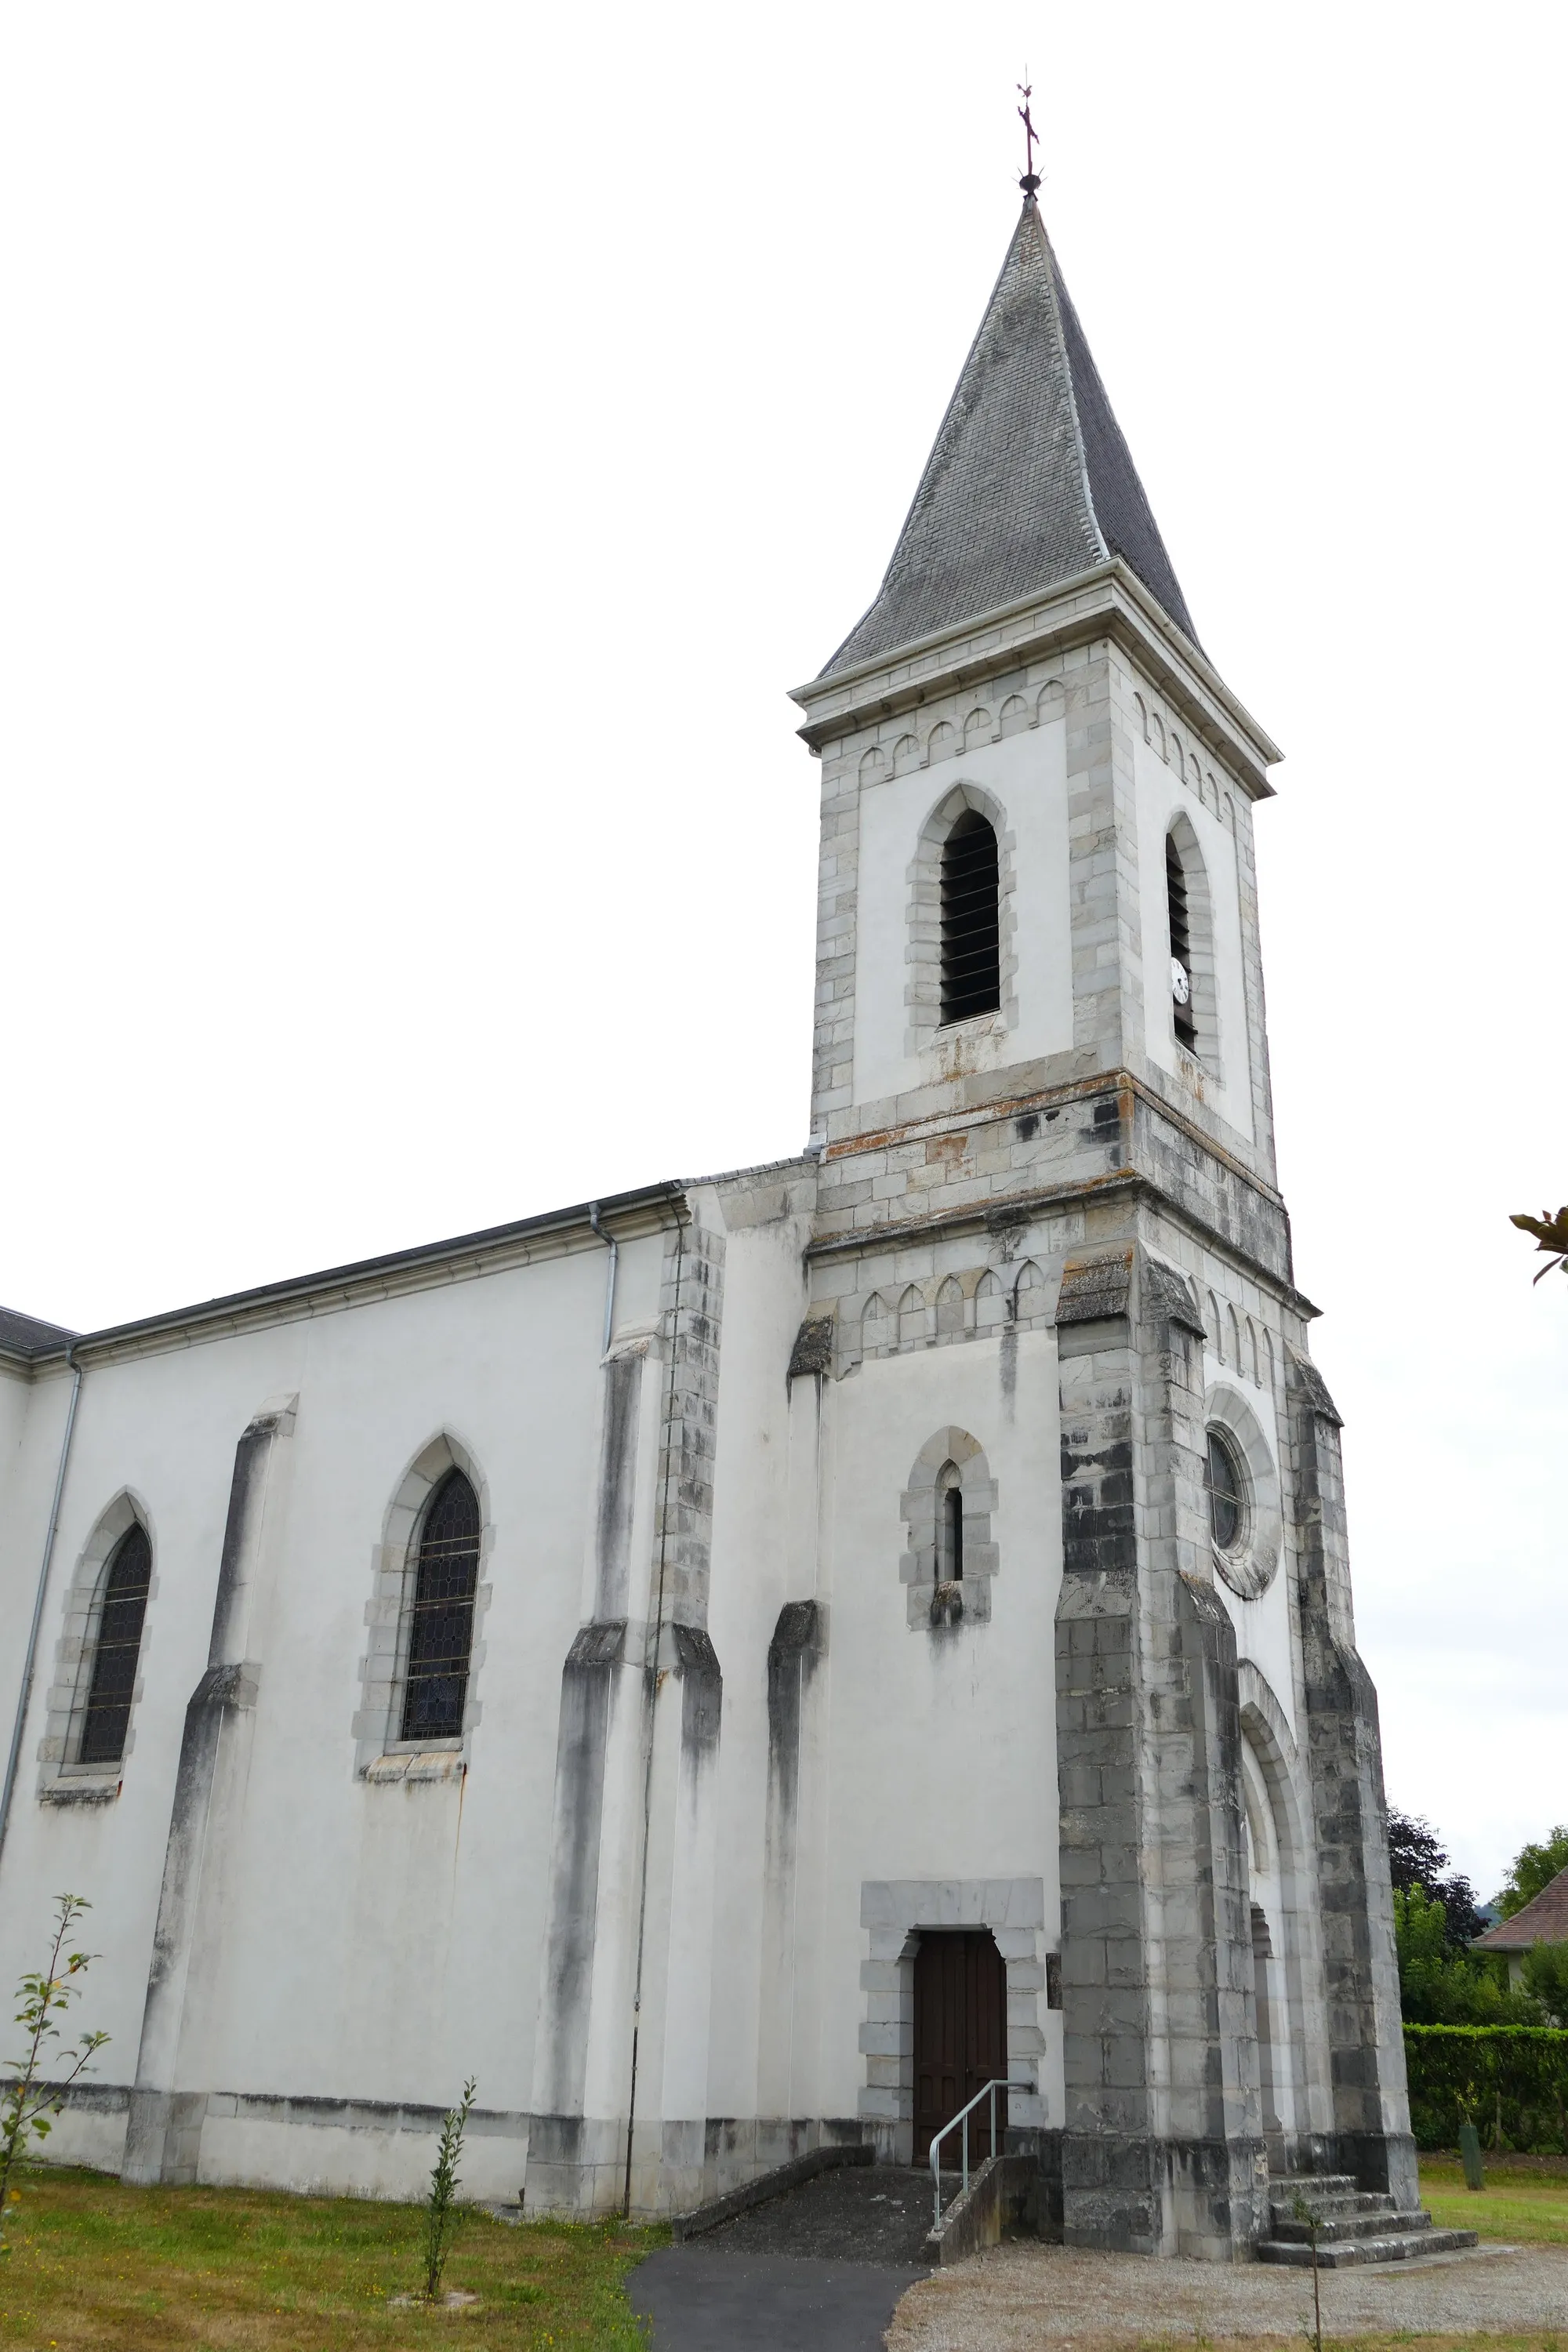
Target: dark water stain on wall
(791,1660)
(581,1744)
(617,1484)
(701,1695)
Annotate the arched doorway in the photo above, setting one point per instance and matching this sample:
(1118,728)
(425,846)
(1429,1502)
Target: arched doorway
(960,2036)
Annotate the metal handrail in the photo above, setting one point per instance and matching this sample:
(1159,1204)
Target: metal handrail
(998,2083)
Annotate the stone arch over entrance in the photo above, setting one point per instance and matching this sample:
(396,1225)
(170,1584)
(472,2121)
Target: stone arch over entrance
(1284,1932)
(898,1915)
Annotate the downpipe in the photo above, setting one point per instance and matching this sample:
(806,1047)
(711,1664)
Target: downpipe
(655,1637)
(613,1246)
(30,1663)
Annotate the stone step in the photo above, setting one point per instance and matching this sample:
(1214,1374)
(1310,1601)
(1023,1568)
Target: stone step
(1403,2246)
(1286,2185)
(1340,2227)
(1363,2200)
(1343,2200)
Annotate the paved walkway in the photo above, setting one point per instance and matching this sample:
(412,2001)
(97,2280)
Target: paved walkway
(817,2270)
(701,2301)
(1027,2297)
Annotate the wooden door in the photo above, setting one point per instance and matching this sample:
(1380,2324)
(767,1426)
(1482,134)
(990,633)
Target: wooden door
(960,2039)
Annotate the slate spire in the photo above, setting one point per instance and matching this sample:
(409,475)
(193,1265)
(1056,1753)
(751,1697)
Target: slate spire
(1030,480)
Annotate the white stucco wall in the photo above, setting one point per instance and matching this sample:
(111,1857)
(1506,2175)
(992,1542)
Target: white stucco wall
(1025,774)
(379,1942)
(944,1744)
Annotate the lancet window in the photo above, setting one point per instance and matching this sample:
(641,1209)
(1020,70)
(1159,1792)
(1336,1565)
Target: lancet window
(116,1649)
(441,1616)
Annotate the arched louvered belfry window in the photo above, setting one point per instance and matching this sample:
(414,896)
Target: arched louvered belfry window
(115,1648)
(971,920)
(1183,978)
(441,1628)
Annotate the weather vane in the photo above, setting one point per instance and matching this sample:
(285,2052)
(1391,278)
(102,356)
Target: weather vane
(1031,178)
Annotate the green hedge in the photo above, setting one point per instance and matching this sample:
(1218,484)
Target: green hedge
(1512,2080)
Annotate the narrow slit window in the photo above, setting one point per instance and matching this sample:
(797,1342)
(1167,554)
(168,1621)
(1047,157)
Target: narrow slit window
(441,1630)
(116,1649)
(971,920)
(1181,947)
(950,1525)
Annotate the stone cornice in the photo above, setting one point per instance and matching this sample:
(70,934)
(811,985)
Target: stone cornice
(1108,601)
(1102,1082)
(1005,1209)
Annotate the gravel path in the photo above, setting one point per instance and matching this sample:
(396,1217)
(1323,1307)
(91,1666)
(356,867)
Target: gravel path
(1025,2297)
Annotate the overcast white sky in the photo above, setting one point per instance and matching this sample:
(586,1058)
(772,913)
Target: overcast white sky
(432,437)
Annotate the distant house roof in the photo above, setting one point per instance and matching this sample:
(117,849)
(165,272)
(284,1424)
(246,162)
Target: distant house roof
(1543,1920)
(1030,481)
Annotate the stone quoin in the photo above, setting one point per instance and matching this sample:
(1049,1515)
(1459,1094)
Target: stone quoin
(938,1535)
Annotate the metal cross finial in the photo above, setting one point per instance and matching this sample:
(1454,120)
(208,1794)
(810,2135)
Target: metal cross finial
(1031,178)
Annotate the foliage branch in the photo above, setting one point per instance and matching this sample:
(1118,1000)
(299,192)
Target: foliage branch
(1534,1868)
(1550,1235)
(1417,1859)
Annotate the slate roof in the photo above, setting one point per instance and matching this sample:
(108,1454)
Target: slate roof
(24,1334)
(1543,1920)
(1030,480)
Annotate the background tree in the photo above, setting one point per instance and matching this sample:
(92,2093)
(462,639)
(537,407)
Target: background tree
(1546,1978)
(1534,1868)
(1442,1984)
(1415,1859)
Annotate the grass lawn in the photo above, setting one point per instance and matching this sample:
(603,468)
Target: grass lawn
(97,2267)
(1526,2201)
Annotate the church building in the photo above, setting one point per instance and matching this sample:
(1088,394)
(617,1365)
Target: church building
(740,1665)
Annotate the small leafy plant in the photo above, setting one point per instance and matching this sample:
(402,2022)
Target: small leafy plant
(1307,2213)
(441,2210)
(36,2093)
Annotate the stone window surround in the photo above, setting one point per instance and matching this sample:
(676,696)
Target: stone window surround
(394,1566)
(1251,1569)
(61,1780)
(894,1912)
(920,1506)
(923,991)
(1180,829)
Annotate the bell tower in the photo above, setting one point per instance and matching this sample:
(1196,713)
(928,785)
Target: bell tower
(1040,1044)
(1030,658)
